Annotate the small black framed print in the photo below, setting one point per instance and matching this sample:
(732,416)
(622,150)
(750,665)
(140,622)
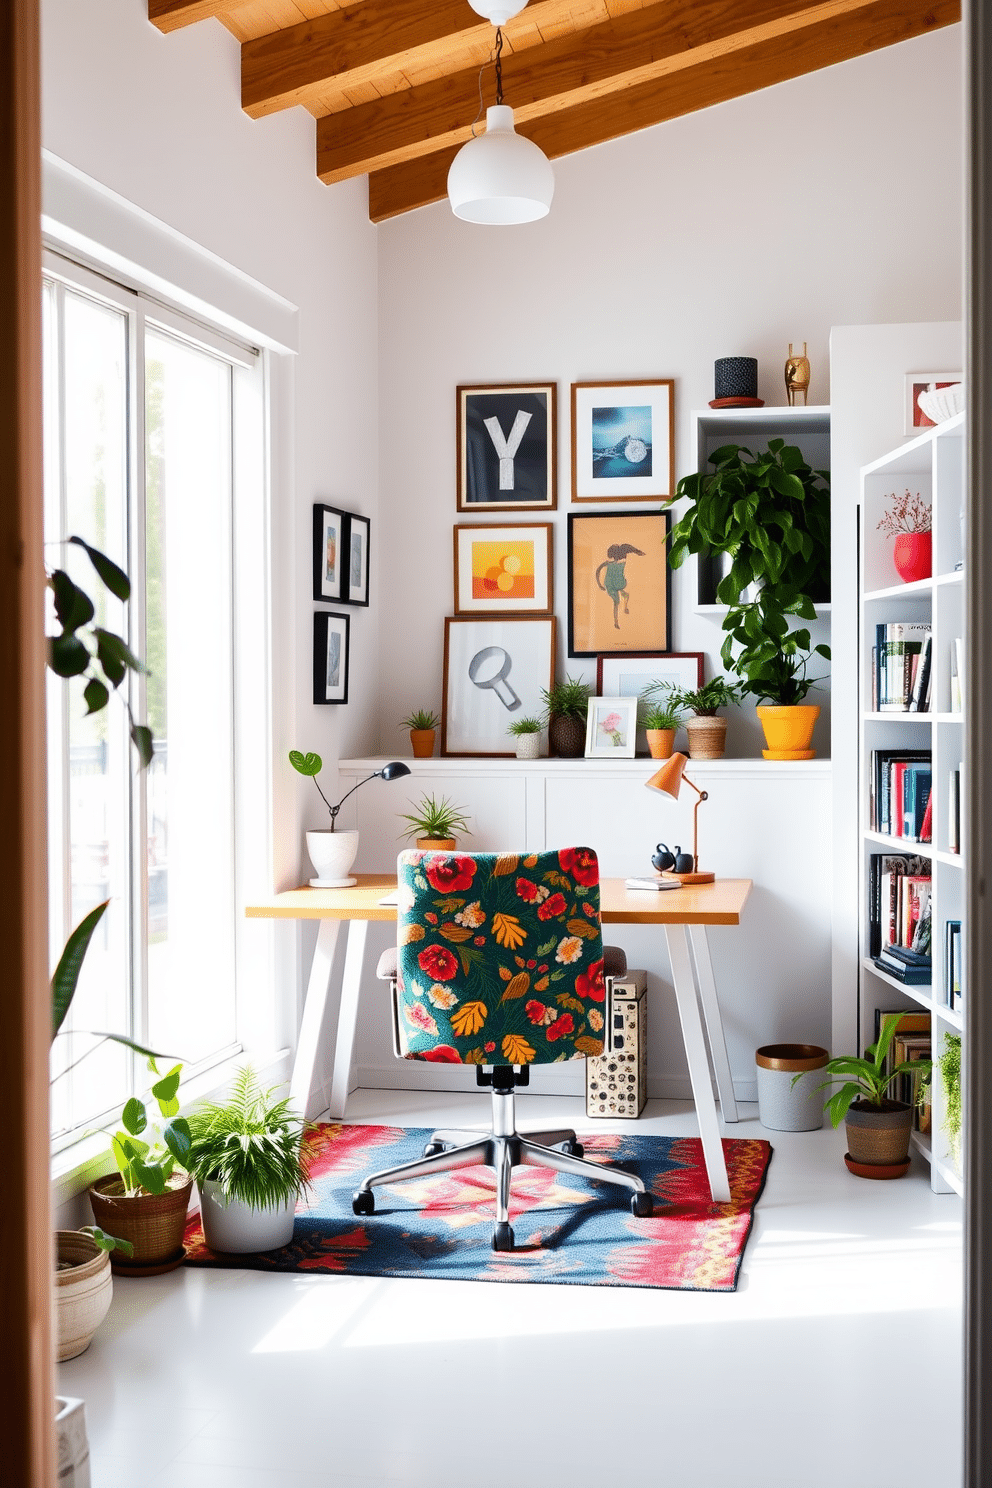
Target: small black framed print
(357,547)
(329,537)
(331,645)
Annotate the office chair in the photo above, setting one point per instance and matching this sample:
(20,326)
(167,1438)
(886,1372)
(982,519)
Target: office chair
(500,963)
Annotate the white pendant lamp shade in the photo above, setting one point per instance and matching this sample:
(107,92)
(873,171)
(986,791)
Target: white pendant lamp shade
(497,11)
(500,177)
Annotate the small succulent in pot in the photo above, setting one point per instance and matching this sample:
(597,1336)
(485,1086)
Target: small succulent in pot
(420,720)
(433,821)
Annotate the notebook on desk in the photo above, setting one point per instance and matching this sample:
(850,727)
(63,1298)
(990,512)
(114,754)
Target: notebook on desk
(390,899)
(652,884)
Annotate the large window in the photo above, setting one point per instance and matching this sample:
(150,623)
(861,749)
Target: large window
(142,452)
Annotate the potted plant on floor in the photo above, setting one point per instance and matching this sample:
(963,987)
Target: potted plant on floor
(145,1201)
(249,1162)
(661,717)
(707,731)
(527,735)
(565,706)
(83,1285)
(422,724)
(434,824)
(878,1128)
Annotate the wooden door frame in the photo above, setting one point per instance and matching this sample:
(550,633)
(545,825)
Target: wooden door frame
(27,1398)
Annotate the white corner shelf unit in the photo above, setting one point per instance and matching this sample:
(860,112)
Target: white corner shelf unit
(932,464)
(807,428)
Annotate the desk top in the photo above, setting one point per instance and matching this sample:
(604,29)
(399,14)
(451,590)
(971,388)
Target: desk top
(717,903)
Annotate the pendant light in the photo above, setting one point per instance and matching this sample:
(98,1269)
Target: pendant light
(499,177)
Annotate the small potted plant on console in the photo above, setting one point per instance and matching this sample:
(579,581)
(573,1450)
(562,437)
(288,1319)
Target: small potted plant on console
(706,729)
(434,824)
(422,724)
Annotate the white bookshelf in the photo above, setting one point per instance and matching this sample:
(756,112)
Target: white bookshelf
(933,464)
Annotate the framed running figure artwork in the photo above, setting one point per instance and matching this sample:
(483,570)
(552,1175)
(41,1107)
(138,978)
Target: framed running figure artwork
(619,583)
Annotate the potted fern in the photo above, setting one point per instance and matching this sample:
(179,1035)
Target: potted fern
(566,705)
(249,1161)
(706,729)
(660,716)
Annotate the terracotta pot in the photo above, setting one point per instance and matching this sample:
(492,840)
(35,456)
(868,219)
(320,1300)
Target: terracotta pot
(788,731)
(422,743)
(661,743)
(83,1289)
(707,737)
(437,844)
(913,555)
(879,1134)
(567,737)
(154,1223)
(528,746)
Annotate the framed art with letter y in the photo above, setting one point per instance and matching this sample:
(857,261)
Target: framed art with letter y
(506,447)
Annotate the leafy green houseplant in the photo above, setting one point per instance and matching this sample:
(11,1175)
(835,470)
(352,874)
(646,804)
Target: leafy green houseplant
(878,1128)
(422,724)
(565,707)
(770,514)
(434,823)
(660,714)
(249,1160)
(146,1200)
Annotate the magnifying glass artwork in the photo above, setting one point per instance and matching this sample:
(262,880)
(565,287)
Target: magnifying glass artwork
(489,669)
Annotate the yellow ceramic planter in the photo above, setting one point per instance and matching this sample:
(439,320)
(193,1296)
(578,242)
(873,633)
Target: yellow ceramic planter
(788,731)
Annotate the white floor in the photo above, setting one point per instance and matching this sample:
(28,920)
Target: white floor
(838,1359)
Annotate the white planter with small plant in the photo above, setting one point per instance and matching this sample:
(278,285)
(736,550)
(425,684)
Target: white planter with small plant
(526,733)
(250,1164)
(332,852)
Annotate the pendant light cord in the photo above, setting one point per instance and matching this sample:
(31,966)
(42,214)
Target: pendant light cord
(493,58)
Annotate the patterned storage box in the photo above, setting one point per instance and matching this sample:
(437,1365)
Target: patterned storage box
(616,1081)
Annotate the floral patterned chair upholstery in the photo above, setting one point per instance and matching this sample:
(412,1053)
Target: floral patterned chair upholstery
(500,963)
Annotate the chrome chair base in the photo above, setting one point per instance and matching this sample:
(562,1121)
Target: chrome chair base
(503,1149)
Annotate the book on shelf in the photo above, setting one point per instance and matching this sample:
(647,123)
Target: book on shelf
(952,964)
(957,674)
(954,810)
(926,826)
(887,902)
(899,791)
(919,701)
(897,660)
(906,1049)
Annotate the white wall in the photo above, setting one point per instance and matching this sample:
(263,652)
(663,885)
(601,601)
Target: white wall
(158,120)
(832,199)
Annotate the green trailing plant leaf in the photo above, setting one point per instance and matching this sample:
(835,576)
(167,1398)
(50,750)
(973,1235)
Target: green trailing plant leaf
(96,696)
(104,1241)
(66,973)
(73,607)
(134,1116)
(67,656)
(164,1090)
(178,1138)
(141,738)
(115,656)
(114,578)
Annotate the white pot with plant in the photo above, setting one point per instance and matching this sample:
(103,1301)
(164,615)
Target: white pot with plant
(526,734)
(434,823)
(332,852)
(250,1165)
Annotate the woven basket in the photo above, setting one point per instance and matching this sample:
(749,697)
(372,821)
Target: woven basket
(707,737)
(877,1135)
(154,1223)
(567,737)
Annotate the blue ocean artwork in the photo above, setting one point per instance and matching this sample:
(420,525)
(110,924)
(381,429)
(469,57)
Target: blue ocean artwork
(621,443)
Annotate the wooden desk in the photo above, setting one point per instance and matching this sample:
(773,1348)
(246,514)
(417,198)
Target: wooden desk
(683,914)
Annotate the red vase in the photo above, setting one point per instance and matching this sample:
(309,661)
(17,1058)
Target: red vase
(913,555)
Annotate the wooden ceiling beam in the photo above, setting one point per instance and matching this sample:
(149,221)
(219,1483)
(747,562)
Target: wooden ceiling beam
(604,59)
(351,46)
(171,15)
(832,39)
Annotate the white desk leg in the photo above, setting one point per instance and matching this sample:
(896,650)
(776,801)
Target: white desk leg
(344,1047)
(714,1021)
(699,1065)
(313,1014)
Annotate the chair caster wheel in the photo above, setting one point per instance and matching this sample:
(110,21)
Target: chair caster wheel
(573,1149)
(363,1201)
(433,1148)
(503,1237)
(642,1205)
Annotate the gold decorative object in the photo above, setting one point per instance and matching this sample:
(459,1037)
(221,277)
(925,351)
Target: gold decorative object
(797,375)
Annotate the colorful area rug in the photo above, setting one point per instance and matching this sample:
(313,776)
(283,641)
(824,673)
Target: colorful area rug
(567,1229)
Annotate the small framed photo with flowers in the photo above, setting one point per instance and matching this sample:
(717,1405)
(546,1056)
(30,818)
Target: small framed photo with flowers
(611,728)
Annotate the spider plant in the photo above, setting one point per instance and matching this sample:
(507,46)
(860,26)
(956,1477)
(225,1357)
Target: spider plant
(437,819)
(250,1144)
(421,719)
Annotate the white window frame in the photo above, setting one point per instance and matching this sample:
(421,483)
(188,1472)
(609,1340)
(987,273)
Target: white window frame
(261,1022)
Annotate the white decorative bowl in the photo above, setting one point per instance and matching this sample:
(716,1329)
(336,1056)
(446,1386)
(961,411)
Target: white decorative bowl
(332,854)
(942,403)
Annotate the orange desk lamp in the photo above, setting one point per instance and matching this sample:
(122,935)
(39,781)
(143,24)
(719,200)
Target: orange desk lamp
(670,780)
